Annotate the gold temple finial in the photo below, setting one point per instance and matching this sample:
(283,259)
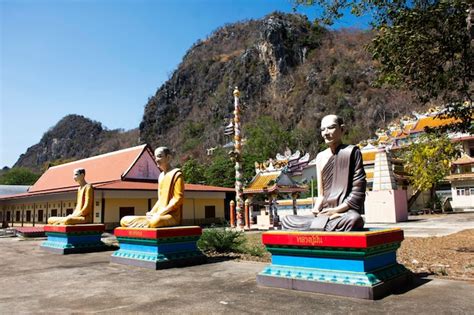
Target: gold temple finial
(236,92)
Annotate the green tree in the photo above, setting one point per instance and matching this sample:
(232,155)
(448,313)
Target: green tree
(422,45)
(265,138)
(220,171)
(427,161)
(193,172)
(19,176)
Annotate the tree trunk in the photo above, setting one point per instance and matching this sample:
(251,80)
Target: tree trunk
(433,198)
(413,198)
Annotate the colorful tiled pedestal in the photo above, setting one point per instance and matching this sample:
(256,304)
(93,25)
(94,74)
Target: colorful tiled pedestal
(72,239)
(354,264)
(30,231)
(158,248)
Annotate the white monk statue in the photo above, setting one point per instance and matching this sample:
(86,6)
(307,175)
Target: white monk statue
(341,185)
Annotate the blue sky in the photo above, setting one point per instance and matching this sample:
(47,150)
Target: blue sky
(100,58)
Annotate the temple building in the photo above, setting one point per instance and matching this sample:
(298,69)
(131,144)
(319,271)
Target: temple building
(457,191)
(125,183)
(462,179)
(458,187)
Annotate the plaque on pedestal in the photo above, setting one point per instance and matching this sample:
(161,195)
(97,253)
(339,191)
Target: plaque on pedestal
(354,264)
(158,248)
(73,239)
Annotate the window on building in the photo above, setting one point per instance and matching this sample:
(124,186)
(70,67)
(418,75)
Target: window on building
(464,191)
(124,211)
(209,212)
(69,211)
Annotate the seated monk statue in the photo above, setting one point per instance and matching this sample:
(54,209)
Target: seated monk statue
(85,201)
(341,185)
(168,210)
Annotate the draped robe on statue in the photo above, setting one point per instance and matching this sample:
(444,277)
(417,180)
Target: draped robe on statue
(168,210)
(343,181)
(82,214)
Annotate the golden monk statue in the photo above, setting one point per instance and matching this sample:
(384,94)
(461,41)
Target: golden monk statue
(168,210)
(85,201)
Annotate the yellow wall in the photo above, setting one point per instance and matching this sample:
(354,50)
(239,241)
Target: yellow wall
(193,208)
(33,207)
(112,208)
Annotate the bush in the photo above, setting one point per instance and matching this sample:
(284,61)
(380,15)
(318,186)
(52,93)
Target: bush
(221,240)
(253,250)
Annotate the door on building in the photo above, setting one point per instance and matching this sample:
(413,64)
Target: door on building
(8,216)
(54,212)
(123,211)
(18,216)
(40,215)
(28,215)
(69,211)
(209,212)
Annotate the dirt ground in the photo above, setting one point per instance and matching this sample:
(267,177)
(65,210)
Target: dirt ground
(447,257)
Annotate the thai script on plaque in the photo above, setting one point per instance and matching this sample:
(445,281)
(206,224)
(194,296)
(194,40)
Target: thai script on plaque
(309,240)
(135,233)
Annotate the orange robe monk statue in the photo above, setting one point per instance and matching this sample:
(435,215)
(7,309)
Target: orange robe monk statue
(82,214)
(169,208)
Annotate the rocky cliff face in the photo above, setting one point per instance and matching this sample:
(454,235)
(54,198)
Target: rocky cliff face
(74,137)
(285,67)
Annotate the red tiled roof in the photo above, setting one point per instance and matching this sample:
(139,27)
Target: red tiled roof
(99,169)
(132,185)
(128,185)
(106,171)
(464,160)
(121,185)
(38,193)
(197,187)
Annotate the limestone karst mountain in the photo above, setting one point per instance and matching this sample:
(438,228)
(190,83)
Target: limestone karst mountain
(74,137)
(285,67)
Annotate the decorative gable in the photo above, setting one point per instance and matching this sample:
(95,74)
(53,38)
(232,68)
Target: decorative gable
(144,168)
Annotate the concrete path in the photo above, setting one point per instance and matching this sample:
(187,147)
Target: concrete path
(433,225)
(35,281)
